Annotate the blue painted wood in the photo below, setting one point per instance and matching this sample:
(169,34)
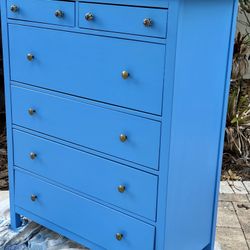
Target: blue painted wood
(82,216)
(144,3)
(172,106)
(197,108)
(102,33)
(223,121)
(43,11)
(141,188)
(125,19)
(94,67)
(87,125)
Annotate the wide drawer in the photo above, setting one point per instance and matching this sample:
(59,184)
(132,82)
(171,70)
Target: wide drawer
(124,19)
(115,133)
(89,66)
(127,188)
(49,11)
(81,216)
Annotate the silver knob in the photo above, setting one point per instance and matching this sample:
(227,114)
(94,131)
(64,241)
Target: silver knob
(14,8)
(89,16)
(59,13)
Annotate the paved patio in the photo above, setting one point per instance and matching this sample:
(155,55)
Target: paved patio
(233,225)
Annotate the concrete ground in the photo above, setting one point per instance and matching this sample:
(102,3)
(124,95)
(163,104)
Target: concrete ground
(233,224)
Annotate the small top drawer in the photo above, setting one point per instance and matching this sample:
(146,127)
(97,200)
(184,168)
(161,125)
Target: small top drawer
(150,22)
(52,12)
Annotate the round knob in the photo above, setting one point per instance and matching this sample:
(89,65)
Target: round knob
(31,111)
(147,22)
(121,188)
(123,137)
(59,13)
(89,16)
(14,8)
(125,74)
(30,57)
(33,156)
(33,197)
(119,236)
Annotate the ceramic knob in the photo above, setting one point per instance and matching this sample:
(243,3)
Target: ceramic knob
(89,16)
(59,13)
(147,22)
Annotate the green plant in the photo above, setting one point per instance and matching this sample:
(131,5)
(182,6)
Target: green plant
(237,140)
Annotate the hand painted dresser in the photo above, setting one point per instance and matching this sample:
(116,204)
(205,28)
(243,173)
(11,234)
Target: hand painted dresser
(115,116)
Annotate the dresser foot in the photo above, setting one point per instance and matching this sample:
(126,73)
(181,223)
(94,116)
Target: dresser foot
(16,221)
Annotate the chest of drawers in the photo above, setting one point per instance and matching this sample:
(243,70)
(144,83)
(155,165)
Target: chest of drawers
(115,118)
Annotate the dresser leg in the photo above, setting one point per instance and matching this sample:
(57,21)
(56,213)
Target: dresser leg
(208,247)
(16,221)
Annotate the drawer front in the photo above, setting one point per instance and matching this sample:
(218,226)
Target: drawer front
(127,188)
(85,218)
(88,125)
(124,19)
(90,66)
(49,11)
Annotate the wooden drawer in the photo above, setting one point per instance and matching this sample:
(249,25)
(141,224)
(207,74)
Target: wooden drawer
(89,174)
(90,66)
(83,217)
(88,125)
(124,19)
(49,11)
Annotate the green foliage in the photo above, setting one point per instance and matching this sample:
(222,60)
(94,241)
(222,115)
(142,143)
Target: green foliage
(237,139)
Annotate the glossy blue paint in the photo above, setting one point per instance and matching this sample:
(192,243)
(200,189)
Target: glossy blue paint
(91,54)
(51,157)
(43,11)
(172,108)
(84,212)
(132,25)
(101,131)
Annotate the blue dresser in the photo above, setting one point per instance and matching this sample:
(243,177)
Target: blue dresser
(115,114)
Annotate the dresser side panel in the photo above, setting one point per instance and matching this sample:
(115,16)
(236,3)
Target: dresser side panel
(200,88)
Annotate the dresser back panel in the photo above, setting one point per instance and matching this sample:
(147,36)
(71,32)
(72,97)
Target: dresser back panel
(88,125)
(89,66)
